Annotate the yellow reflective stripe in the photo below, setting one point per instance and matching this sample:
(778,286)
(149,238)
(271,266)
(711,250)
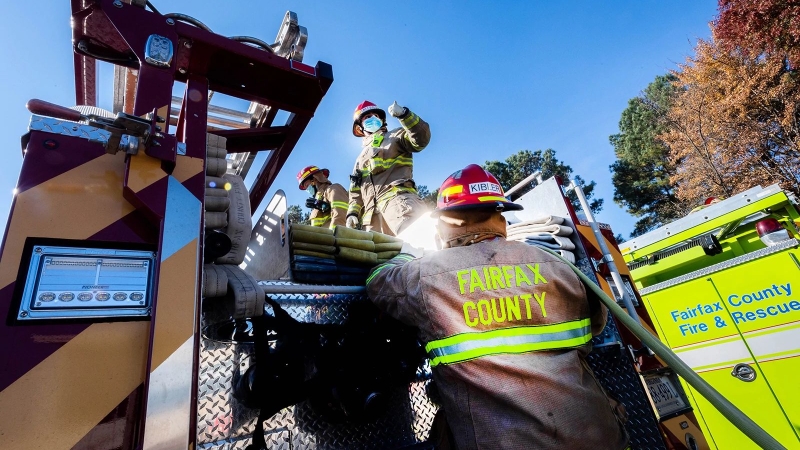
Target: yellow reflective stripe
(410,120)
(340,205)
(355,188)
(319,221)
(377,271)
(383,199)
(402,257)
(458,189)
(466,346)
(381,163)
(354,208)
(492,198)
(309,171)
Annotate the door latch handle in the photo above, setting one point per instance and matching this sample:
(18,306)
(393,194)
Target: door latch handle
(744,372)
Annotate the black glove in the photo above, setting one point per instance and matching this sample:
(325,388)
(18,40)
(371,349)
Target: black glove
(321,205)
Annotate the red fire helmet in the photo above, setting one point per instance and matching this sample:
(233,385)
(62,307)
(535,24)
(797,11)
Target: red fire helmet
(304,174)
(363,108)
(472,188)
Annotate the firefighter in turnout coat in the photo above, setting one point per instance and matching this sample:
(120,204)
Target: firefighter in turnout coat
(328,201)
(506,326)
(383,195)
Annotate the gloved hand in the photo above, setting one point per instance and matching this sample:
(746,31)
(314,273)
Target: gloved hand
(411,250)
(318,204)
(352,222)
(396,110)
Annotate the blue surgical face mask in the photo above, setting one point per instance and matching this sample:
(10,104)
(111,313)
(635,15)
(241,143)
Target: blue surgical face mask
(312,190)
(372,124)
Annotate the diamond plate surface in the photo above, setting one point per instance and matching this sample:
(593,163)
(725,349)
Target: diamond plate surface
(67,128)
(223,423)
(614,370)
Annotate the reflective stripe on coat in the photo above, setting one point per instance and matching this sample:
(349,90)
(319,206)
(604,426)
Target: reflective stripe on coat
(386,166)
(507,327)
(336,195)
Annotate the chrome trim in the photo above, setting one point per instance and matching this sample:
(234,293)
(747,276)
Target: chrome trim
(158,51)
(67,128)
(169,394)
(287,33)
(288,287)
(744,372)
(721,266)
(182,220)
(169,400)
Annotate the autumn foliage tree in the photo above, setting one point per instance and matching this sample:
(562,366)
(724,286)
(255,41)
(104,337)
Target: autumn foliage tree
(734,124)
(758,27)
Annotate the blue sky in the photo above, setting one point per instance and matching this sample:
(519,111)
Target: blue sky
(491,78)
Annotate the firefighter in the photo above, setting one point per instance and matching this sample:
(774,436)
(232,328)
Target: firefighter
(507,327)
(383,195)
(328,200)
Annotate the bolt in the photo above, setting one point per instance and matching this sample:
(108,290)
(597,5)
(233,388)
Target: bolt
(182,70)
(187,44)
(118,4)
(141,302)
(159,135)
(23,314)
(38,303)
(38,250)
(156,144)
(158,128)
(170,22)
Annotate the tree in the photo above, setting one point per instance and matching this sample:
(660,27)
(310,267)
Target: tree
(520,165)
(641,173)
(758,27)
(296,215)
(427,196)
(735,124)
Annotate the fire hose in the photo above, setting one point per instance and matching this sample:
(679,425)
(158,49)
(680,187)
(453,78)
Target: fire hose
(731,412)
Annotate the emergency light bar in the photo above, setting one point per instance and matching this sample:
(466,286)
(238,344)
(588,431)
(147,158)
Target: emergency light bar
(74,282)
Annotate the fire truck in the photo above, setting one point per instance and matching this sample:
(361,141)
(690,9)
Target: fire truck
(139,297)
(719,285)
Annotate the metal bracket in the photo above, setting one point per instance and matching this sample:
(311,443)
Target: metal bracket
(158,51)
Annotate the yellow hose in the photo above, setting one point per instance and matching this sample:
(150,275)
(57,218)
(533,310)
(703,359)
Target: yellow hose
(359,244)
